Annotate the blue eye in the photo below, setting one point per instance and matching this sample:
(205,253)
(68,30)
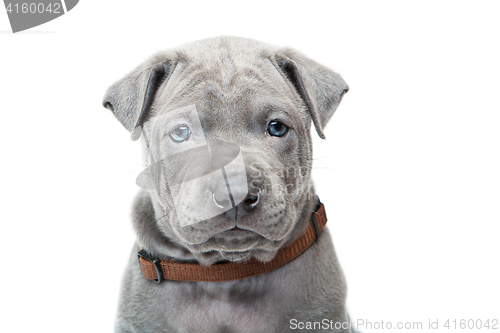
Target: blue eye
(276,128)
(180,134)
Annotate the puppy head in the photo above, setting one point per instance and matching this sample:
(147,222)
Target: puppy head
(225,125)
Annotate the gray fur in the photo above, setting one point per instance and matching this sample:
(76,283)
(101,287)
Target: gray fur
(237,86)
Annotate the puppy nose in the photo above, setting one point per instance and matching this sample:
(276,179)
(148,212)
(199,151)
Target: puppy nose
(226,202)
(244,208)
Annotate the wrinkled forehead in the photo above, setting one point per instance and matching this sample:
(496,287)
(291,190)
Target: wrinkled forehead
(225,92)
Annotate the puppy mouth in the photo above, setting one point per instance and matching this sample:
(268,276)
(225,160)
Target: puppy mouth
(233,244)
(230,238)
(235,233)
(235,240)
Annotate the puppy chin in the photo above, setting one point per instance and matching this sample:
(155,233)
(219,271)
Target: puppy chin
(214,256)
(260,255)
(236,256)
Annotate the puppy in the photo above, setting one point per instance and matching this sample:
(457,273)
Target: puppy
(225,124)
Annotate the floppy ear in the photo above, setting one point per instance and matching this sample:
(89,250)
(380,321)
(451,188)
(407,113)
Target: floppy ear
(320,88)
(131,97)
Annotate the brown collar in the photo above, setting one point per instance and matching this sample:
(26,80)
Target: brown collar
(163,269)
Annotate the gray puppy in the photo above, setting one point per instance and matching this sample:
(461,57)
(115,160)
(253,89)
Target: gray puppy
(243,98)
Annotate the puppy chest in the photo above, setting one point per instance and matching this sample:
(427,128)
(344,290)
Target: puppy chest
(237,310)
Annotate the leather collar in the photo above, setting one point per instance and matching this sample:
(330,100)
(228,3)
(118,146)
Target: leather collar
(164,269)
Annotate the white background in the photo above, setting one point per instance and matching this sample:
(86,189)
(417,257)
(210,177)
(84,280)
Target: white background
(409,172)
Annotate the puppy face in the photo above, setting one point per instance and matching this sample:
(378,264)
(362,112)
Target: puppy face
(225,125)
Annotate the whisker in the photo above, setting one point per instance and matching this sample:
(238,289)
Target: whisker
(131,169)
(153,225)
(320,157)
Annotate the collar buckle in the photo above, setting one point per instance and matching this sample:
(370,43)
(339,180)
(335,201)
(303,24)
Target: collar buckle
(156,263)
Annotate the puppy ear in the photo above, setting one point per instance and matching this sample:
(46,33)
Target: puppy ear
(320,88)
(131,97)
